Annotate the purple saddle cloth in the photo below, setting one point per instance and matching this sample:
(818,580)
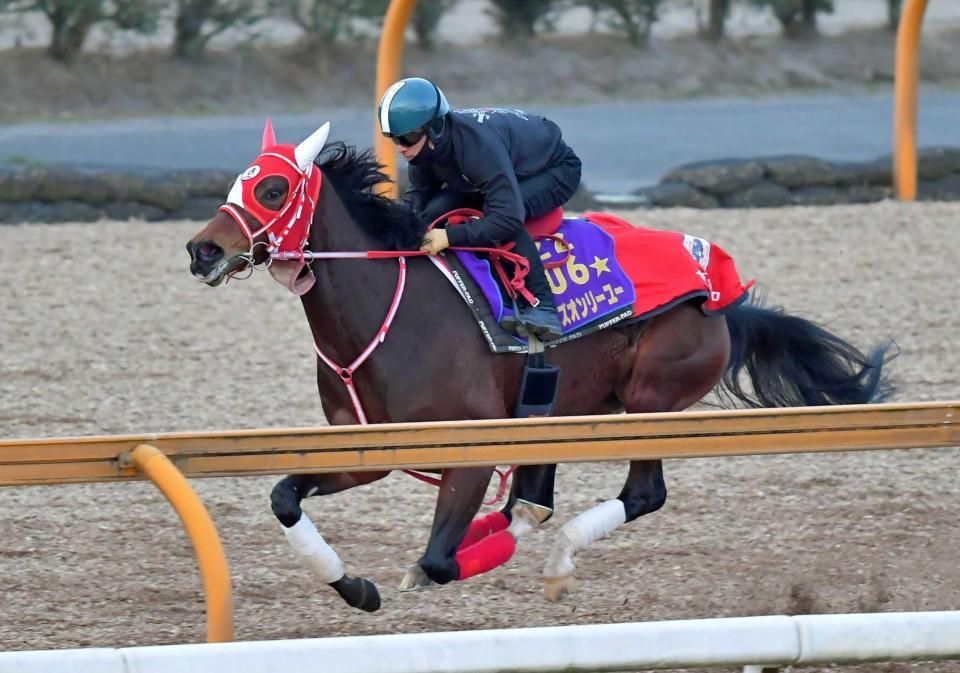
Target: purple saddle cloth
(590,289)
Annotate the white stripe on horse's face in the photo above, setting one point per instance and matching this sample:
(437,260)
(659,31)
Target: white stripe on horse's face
(235,195)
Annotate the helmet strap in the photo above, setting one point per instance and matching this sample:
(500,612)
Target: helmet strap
(434,128)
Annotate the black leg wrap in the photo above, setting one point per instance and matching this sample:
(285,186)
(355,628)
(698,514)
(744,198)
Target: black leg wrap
(441,570)
(358,592)
(285,501)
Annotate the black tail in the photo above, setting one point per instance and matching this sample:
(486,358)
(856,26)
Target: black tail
(793,362)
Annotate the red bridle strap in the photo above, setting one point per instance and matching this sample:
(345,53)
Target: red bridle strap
(346,373)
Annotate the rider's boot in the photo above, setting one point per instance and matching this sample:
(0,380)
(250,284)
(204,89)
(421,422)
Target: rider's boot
(543,319)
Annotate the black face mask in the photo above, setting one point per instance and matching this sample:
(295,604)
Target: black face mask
(425,156)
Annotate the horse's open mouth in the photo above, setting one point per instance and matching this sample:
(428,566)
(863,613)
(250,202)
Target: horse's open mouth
(223,269)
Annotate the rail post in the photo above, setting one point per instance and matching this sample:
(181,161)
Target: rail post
(210,557)
(389,58)
(905,100)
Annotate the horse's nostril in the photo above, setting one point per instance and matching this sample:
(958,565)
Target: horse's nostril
(208,252)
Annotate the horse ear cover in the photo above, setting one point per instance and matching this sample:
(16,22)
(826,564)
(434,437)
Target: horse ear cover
(269,137)
(308,150)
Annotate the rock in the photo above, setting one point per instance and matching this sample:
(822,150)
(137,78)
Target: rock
(816,196)
(134,210)
(63,184)
(764,194)
(878,171)
(622,201)
(167,191)
(800,171)
(718,177)
(19,184)
(125,186)
(48,213)
(206,184)
(200,208)
(868,193)
(828,196)
(945,189)
(934,163)
(676,195)
(582,200)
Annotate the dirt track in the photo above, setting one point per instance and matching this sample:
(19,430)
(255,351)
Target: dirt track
(104,331)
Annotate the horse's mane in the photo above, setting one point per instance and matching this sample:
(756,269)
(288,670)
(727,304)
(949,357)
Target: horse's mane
(355,176)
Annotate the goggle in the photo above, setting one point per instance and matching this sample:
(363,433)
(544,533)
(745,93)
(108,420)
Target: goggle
(408,139)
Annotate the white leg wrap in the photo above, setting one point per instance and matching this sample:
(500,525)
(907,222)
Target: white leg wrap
(581,531)
(317,554)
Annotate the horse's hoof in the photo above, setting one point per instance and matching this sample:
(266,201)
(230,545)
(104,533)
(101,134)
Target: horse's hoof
(555,588)
(414,579)
(358,592)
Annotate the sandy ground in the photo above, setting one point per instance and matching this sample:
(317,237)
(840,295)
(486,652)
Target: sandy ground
(104,331)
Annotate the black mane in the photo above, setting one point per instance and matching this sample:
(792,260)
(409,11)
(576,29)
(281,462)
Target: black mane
(355,177)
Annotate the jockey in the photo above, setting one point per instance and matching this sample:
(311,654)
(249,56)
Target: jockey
(511,165)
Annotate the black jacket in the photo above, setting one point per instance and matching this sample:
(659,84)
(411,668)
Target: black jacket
(485,150)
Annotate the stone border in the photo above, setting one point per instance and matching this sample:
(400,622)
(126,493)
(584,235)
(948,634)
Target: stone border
(44,195)
(797,180)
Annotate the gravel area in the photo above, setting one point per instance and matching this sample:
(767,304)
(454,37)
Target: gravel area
(104,331)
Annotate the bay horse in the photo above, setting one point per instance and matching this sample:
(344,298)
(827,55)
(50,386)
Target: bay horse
(435,365)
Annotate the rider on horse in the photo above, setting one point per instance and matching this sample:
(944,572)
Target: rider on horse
(511,165)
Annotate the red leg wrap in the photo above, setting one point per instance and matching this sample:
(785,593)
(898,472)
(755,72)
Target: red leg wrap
(484,526)
(492,551)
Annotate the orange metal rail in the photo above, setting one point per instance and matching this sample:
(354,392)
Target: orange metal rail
(515,441)
(203,535)
(905,100)
(460,443)
(389,58)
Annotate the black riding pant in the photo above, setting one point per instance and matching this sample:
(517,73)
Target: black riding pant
(541,193)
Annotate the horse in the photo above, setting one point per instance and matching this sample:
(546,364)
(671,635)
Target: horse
(435,366)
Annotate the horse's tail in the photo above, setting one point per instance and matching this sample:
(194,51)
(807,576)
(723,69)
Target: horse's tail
(791,361)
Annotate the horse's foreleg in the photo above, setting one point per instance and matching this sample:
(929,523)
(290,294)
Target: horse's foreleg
(324,563)
(458,500)
(643,492)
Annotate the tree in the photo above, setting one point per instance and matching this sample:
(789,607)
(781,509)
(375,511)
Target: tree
(719,11)
(71,20)
(518,19)
(325,21)
(797,18)
(894,8)
(634,18)
(426,18)
(198,21)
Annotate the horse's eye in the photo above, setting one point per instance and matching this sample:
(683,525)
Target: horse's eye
(274,194)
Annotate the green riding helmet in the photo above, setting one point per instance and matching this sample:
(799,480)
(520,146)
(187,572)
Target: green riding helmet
(410,104)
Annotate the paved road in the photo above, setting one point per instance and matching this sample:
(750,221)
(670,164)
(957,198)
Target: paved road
(623,145)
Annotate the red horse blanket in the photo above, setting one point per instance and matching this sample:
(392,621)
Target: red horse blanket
(635,273)
(667,267)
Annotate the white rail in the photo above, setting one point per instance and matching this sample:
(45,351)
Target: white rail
(774,641)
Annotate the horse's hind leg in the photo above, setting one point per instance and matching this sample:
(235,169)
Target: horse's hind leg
(679,359)
(644,492)
(324,563)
